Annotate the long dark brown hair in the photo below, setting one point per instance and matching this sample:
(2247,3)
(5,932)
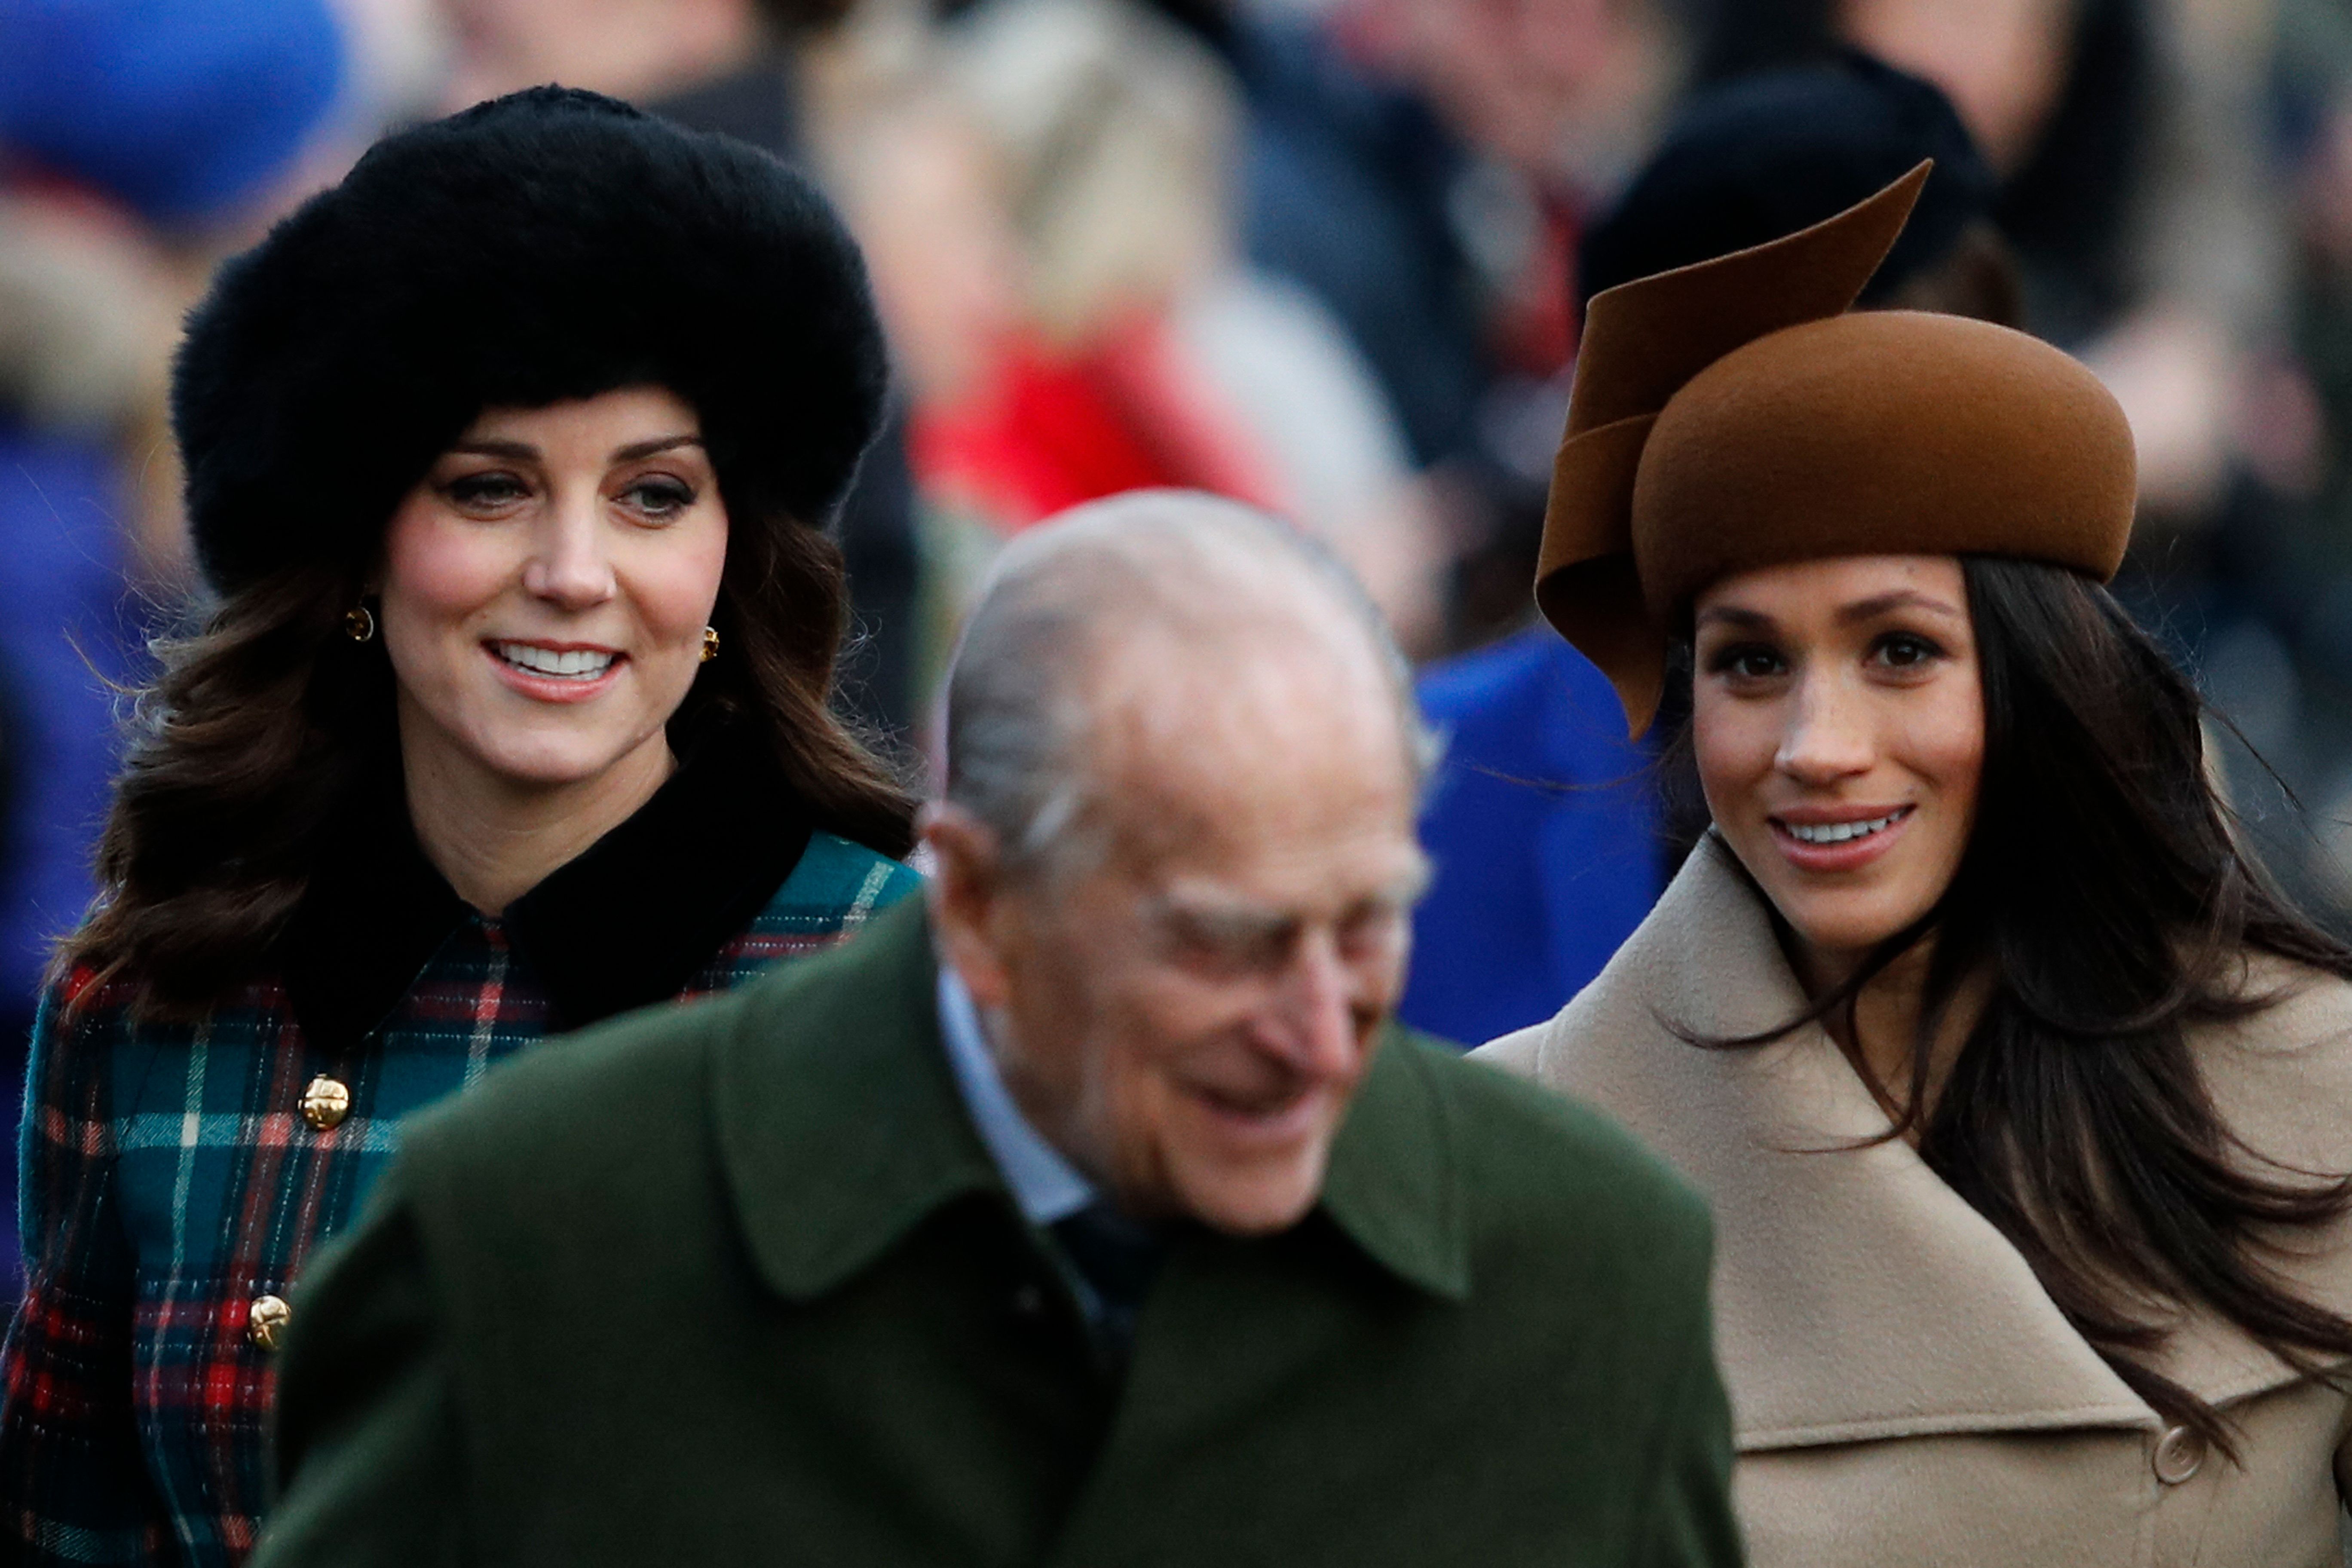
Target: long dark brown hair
(265,718)
(2102,908)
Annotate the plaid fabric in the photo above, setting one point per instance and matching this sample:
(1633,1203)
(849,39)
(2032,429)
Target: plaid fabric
(170,1178)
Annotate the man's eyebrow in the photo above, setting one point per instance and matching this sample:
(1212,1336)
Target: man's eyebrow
(1901,599)
(1237,916)
(1220,915)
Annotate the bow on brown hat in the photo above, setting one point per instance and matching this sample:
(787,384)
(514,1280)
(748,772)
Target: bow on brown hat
(1734,414)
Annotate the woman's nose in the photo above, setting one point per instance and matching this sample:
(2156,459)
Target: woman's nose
(1828,736)
(568,566)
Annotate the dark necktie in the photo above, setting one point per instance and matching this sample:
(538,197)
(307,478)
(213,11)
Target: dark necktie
(1116,1259)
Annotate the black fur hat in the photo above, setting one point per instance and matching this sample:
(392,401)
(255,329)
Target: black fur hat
(550,245)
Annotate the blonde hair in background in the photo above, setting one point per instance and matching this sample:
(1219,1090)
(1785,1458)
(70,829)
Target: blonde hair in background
(1119,131)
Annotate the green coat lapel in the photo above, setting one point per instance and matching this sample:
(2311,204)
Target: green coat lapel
(840,1126)
(1394,1186)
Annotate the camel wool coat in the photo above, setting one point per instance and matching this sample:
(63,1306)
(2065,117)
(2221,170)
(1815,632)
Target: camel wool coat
(1903,1391)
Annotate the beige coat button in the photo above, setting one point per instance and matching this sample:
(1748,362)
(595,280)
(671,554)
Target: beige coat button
(2179,1453)
(266,1320)
(325,1104)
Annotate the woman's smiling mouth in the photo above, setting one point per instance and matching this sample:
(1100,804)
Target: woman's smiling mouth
(1837,841)
(1840,832)
(565,663)
(554,672)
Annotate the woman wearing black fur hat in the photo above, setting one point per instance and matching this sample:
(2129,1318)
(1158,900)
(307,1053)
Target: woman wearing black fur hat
(508,460)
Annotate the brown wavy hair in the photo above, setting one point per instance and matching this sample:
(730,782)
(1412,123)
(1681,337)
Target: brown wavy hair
(266,716)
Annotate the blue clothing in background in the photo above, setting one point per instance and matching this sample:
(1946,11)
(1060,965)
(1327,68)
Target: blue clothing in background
(65,635)
(1544,825)
(182,108)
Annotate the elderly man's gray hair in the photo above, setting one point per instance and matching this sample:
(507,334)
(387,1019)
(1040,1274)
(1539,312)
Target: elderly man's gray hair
(1181,562)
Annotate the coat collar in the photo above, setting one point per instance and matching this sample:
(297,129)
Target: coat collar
(1857,1296)
(842,1129)
(629,921)
(1394,1183)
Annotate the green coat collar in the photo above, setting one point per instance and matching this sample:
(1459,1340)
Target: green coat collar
(1396,1183)
(840,1126)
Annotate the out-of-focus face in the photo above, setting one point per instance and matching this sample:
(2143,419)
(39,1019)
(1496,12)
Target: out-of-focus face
(1554,88)
(2002,63)
(545,586)
(928,203)
(630,49)
(1838,717)
(1189,1016)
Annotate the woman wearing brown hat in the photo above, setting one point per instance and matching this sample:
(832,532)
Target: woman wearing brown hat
(508,462)
(2022,1101)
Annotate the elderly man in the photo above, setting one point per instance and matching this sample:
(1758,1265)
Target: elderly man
(1089,1212)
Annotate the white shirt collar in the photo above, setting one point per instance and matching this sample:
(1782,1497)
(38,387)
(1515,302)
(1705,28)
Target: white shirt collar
(1044,1182)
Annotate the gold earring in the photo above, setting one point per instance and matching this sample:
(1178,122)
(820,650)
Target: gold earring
(359,624)
(709,644)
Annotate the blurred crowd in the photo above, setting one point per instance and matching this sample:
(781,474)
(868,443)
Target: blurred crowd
(1326,255)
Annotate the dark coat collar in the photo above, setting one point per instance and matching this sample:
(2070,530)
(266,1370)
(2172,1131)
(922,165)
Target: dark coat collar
(629,921)
(841,1128)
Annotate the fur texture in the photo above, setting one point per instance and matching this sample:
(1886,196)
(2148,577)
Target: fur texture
(550,245)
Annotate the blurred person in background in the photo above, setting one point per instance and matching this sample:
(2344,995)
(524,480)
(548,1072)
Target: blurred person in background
(1046,190)
(648,52)
(1552,833)
(1425,167)
(137,138)
(508,461)
(737,68)
(1756,159)
(2089,115)
(925,190)
(2308,583)
(2021,1098)
(1120,136)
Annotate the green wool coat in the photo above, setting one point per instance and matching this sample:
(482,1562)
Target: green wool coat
(738,1283)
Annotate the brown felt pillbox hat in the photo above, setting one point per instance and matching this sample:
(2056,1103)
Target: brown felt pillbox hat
(1734,414)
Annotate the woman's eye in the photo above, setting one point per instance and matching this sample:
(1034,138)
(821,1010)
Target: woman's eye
(486,490)
(660,497)
(1903,651)
(1747,661)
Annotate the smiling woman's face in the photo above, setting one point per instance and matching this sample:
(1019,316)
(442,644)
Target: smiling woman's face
(545,588)
(1838,722)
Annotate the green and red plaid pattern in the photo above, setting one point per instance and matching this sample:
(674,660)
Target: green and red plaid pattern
(170,1178)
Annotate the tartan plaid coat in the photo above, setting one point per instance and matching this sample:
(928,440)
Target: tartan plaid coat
(172,1176)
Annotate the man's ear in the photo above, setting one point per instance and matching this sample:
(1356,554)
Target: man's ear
(966,892)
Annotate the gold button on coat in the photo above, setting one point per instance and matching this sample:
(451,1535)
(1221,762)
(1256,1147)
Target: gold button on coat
(326,1102)
(266,1320)
(2179,1453)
